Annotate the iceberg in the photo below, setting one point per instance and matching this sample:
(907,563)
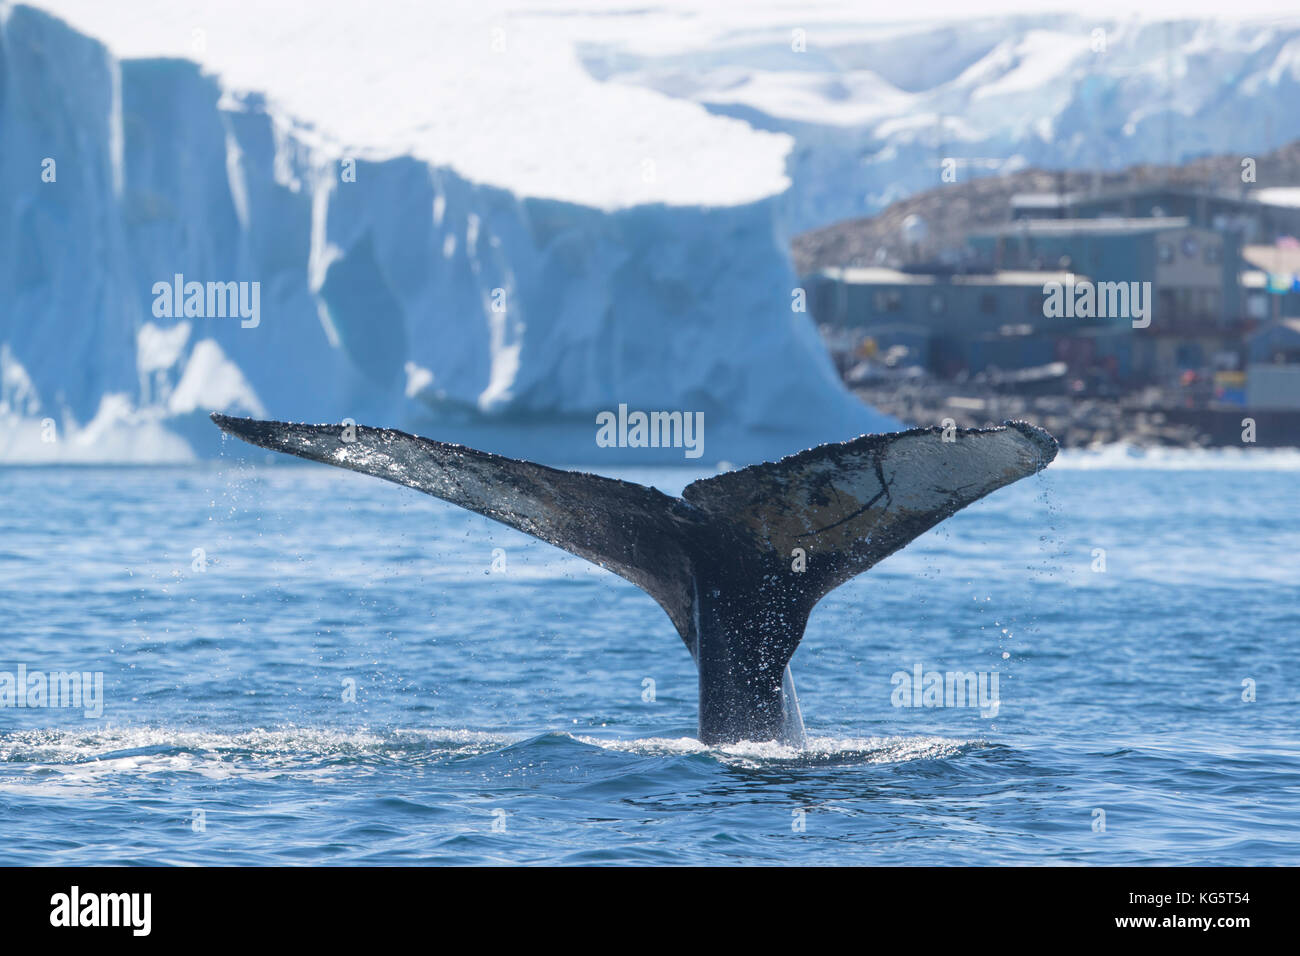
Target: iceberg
(497,262)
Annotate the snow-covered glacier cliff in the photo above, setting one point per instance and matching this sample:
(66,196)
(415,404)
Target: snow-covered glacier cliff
(875,108)
(393,285)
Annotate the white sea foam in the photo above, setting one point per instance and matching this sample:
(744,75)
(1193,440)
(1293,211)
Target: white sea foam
(856,749)
(76,763)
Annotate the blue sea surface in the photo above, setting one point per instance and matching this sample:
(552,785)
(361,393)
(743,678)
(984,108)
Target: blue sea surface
(340,676)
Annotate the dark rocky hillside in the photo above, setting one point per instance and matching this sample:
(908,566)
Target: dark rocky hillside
(952,209)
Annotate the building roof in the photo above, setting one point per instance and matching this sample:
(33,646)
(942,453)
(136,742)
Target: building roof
(1024,277)
(1043,200)
(876,275)
(1279,260)
(1277,196)
(1066,227)
(1256,197)
(1287,327)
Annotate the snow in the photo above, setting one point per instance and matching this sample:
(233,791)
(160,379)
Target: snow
(158,348)
(492,90)
(211,381)
(1027,65)
(118,433)
(614,107)
(17,393)
(874,107)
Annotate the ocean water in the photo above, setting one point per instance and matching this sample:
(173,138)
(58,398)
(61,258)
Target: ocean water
(339,676)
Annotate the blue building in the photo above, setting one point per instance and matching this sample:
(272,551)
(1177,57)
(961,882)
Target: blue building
(1165,299)
(970,322)
(1259,215)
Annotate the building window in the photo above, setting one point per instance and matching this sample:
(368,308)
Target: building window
(988,303)
(888,300)
(1189,355)
(1167,307)
(938,304)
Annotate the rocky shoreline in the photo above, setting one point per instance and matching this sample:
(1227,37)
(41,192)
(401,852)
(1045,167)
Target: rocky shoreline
(1140,419)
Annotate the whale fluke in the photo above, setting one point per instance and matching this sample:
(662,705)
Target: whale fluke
(624,527)
(739,560)
(849,505)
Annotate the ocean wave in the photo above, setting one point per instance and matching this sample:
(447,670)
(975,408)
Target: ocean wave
(77,761)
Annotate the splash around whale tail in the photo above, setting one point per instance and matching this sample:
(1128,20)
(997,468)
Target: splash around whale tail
(739,560)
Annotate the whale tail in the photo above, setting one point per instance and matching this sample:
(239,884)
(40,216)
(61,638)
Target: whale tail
(739,560)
